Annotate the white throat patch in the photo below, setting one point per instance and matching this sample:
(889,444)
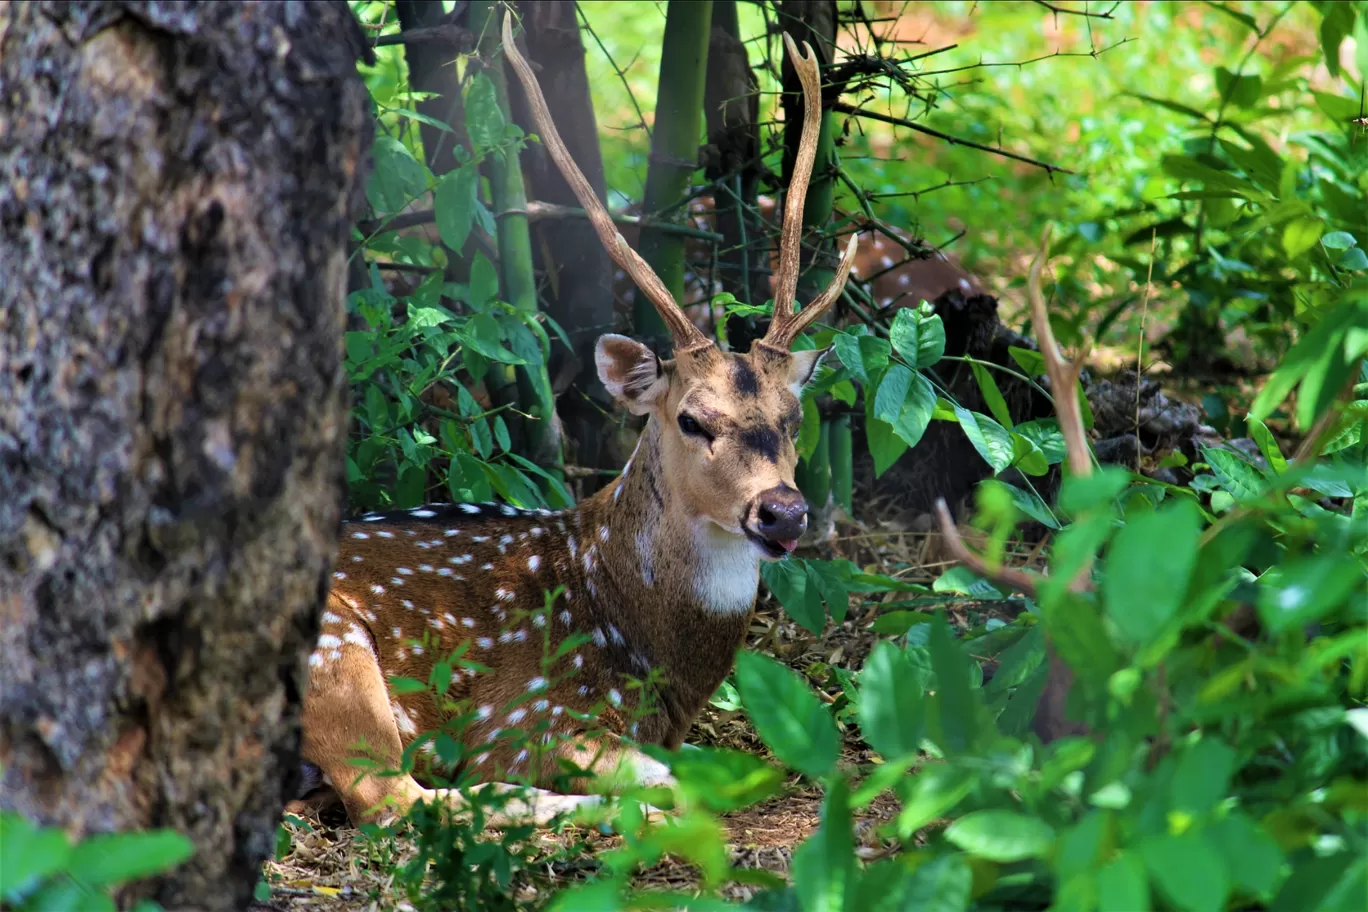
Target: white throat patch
(727,574)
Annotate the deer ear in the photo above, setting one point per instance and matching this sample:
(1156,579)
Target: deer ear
(803,367)
(631,372)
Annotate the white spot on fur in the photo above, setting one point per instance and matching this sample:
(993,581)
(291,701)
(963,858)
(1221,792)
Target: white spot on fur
(484,642)
(579,660)
(886,262)
(517,715)
(573,546)
(422,514)
(599,639)
(404,571)
(378,590)
(407,604)
(339,575)
(484,712)
(541,705)
(508,511)
(904,280)
(357,637)
(403,720)
(566,618)
(330,618)
(460,559)
(615,696)
(396,581)
(537,683)
(426,568)
(398,634)
(615,634)
(469,508)
(328,641)
(505,595)
(533,563)
(603,533)
(356,558)
(539,620)
(360,535)
(479,539)
(487,567)
(445,571)
(467,622)
(315,659)
(384,534)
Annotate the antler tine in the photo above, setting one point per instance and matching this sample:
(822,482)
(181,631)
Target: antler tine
(686,335)
(790,239)
(786,325)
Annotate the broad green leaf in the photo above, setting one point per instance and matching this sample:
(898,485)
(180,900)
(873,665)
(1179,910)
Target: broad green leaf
(1002,836)
(484,282)
(960,580)
(1080,493)
(940,885)
(1242,89)
(934,791)
(918,338)
(483,334)
(957,703)
(885,444)
(787,715)
(848,350)
(29,854)
(1031,362)
(788,580)
(484,118)
(1188,871)
(991,439)
(1201,777)
(916,410)
(1334,883)
(882,887)
(396,179)
(1338,240)
(1147,569)
(1354,259)
(892,392)
(824,869)
(810,431)
(1337,21)
(1240,479)
(453,204)
(115,858)
(1252,857)
(892,711)
(1317,345)
(1121,885)
(1018,660)
(1028,457)
(1045,434)
(725,780)
(1303,590)
(1268,446)
(827,579)
(1301,234)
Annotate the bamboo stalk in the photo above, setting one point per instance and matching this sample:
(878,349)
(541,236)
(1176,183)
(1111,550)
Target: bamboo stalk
(674,145)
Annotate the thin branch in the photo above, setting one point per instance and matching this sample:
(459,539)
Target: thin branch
(538,211)
(1057,10)
(854,111)
(1094,53)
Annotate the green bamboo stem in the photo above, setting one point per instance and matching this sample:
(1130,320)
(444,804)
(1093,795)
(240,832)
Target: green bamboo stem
(814,475)
(842,462)
(516,275)
(674,145)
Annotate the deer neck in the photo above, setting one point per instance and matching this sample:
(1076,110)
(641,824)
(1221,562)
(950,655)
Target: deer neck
(677,584)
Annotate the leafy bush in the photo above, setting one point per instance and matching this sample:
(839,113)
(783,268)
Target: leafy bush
(40,869)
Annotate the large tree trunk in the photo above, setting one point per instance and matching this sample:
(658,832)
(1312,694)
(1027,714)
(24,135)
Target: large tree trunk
(579,275)
(176,185)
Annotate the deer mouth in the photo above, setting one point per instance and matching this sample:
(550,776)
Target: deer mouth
(772,548)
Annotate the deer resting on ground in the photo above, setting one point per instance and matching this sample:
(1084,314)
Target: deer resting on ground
(657,573)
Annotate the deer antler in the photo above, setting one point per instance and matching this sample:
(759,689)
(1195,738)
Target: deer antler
(686,335)
(787,325)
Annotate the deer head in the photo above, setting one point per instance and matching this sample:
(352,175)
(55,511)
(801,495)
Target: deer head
(725,422)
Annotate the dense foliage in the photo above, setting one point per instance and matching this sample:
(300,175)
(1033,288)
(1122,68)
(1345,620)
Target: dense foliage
(1217,633)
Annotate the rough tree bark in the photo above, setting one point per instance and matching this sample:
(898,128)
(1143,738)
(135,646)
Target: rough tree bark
(176,185)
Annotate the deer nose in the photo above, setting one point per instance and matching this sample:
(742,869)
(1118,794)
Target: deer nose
(781,514)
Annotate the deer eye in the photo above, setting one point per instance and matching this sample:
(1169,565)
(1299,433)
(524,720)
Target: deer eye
(688,425)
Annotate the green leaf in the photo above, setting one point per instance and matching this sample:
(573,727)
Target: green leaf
(1338,240)
(453,204)
(1028,457)
(29,854)
(1188,871)
(788,580)
(824,865)
(1354,259)
(991,394)
(892,393)
(1002,836)
(1268,446)
(940,885)
(1239,479)
(991,439)
(484,282)
(482,333)
(1335,26)
(957,703)
(1201,777)
(787,715)
(848,350)
(1304,590)
(1045,434)
(1080,493)
(1252,857)
(1018,660)
(1121,885)
(892,711)
(885,444)
(1147,569)
(810,431)
(1301,234)
(115,858)
(484,119)
(934,791)
(919,338)
(397,178)
(1242,89)
(826,578)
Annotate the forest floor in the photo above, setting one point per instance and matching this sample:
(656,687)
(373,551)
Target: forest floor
(330,865)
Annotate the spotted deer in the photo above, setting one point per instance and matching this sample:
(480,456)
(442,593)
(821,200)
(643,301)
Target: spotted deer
(657,573)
